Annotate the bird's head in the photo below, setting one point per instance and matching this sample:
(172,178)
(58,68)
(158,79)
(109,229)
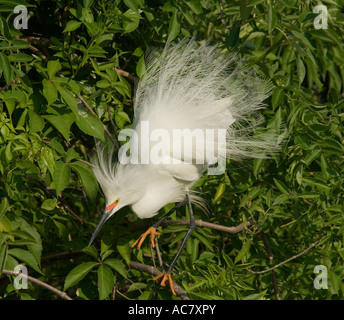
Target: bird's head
(119,187)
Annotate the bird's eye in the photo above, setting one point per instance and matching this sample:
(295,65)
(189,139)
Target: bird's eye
(112,205)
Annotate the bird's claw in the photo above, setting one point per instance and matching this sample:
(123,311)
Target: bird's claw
(165,276)
(152,231)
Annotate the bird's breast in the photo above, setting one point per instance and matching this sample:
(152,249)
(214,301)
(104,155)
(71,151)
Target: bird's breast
(158,193)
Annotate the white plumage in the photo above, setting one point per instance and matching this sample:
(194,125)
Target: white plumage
(193,87)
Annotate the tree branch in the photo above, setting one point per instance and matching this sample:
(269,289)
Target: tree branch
(153,271)
(62,294)
(201,223)
(7,85)
(288,260)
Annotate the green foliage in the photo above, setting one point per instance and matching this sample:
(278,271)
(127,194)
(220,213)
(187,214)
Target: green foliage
(61,82)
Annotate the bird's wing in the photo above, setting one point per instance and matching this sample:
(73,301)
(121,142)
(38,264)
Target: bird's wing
(191,87)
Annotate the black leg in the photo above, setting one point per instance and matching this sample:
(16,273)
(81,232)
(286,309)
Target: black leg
(192,226)
(162,220)
(159,223)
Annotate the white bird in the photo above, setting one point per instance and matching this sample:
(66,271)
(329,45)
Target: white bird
(193,88)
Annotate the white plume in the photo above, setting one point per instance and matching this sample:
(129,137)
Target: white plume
(192,86)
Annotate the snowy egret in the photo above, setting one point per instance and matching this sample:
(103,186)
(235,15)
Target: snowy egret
(194,91)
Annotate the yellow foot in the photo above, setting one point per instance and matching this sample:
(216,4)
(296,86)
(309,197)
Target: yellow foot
(139,241)
(166,276)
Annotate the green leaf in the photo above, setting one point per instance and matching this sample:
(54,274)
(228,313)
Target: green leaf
(132,4)
(277,97)
(20,57)
(103,83)
(195,6)
(316,183)
(272,19)
(49,91)
(15,45)
(257,165)
(281,186)
(3,256)
(47,160)
(335,281)
(4,206)
(36,122)
(121,118)
(72,25)
(71,154)
(255,2)
(61,176)
(87,3)
(242,253)
(106,281)
(90,124)
(17,3)
(137,286)
(245,10)
(6,67)
(194,250)
(69,99)
(124,249)
(132,20)
(141,67)
(78,273)
(87,178)
(174,26)
(301,70)
(311,156)
(204,240)
(49,204)
(25,256)
(118,266)
(54,66)
(5,29)
(256,296)
(92,251)
(61,123)
(228,260)
(219,192)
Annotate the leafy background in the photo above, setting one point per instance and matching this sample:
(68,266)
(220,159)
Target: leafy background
(72,72)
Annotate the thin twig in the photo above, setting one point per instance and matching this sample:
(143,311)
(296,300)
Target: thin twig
(86,162)
(7,85)
(152,253)
(113,127)
(270,257)
(157,249)
(62,294)
(274,283)
(201,223)
(127,75)
(288,260)
(38,52)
